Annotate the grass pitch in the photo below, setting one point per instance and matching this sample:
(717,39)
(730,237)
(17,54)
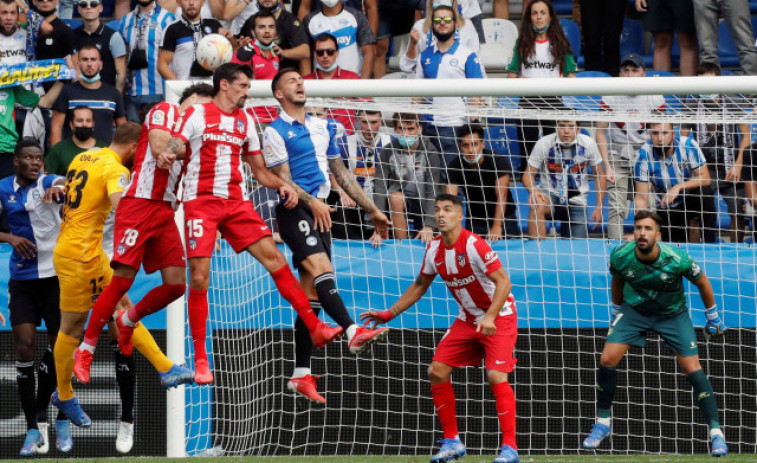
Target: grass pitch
(424,459)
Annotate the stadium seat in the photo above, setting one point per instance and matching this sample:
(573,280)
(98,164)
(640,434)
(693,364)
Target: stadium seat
(399,43)
(585,102)
(72,23)
(503,139)
(398,75)
(631,38)
(573,33)
(114,24)
(501,31)
(672,103)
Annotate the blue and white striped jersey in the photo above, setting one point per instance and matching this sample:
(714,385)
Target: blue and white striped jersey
(147,81)
(37,221)
(306,147)
(351,30)
(459,62)
(663,174)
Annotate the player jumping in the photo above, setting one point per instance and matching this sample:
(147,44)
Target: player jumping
(214,137)
(487,324)
(648,295)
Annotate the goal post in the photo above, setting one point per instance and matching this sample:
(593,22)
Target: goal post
(380,403)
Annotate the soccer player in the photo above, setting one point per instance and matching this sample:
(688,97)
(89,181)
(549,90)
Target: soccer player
(487,324)
(94,184)
(648,295)
(145,234)
(33,291)
(302,150)
(215,137)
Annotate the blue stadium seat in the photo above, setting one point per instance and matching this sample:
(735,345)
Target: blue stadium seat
(728,72)
(573,33)
(503,139)
(73,23)
(114,24)
(671,102)
(582,102)
(631,38)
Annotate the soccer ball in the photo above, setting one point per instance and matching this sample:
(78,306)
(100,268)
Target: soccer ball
(213,50)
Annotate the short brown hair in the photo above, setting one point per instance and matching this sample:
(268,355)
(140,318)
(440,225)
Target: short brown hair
(404,117)
(127,133)
(647,214)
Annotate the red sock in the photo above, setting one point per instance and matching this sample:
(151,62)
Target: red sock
(155,300)
(197,306)
(104,307)
(505,399)
(291,290)
(444,403)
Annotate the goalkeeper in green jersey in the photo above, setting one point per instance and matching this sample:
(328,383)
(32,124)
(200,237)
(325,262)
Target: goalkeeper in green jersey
(648,295)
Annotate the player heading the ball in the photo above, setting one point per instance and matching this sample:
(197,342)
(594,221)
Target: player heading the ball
(216,138)
(648,295)
(486,326)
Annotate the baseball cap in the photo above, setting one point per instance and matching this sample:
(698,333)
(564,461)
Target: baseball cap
(634,58)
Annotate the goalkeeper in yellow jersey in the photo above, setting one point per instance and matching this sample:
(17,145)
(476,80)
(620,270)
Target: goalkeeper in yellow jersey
(94,183)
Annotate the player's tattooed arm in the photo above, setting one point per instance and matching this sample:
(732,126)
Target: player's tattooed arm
(175,149)
(350,185)
(283,172)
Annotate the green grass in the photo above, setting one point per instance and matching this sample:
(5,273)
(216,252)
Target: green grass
(424,459)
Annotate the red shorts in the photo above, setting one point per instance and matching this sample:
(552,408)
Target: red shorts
(237,221)
(461,346)
(145,233)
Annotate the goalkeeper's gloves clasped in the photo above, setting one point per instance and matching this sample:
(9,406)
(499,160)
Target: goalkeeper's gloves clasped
(715,325)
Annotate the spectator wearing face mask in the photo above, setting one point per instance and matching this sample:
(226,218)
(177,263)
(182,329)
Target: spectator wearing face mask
(82,125)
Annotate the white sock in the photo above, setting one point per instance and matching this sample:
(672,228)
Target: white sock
(126,320)
(300,372)
(351,331)
(716,432)
(87,347)
(604,421)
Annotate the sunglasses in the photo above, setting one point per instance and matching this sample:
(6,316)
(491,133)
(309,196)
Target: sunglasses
(326,51)
(446,20)
(91,4)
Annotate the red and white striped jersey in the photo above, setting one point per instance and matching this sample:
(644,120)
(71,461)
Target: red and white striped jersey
(147,180)
(216,141)
(465,267)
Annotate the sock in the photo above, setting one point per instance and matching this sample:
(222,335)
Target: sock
(146,345)
(26,385)
(444,403)
(104,307)
(157,299)
(325,286)
(45,383)
(705,396)
(65,346)
(505,400)
(126,377)
(303,344)
(291,290)
(716,432)
(197,307)
(607,383)
(350,332)
(300,372)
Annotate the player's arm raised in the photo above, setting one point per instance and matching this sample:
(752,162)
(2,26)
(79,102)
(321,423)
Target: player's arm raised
(411,295)
(353,189)
(502,288)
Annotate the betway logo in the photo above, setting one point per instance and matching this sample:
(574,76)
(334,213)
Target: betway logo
(14,53)
(458,282)
(224,137)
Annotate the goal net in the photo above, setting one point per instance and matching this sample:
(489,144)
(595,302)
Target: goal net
(380,403)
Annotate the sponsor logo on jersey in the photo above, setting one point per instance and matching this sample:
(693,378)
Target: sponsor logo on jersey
(291,134)
(223,137)
(490,257)
(695,269)
(458,282)
(12,199)
(158,117)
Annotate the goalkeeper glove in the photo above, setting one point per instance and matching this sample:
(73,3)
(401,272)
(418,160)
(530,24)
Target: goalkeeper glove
(614,310)
(715,325)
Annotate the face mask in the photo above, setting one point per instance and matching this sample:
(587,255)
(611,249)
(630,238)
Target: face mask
(328,69)
(90,80)
(709,96)
(45,14)
(83,133)
(330,3)
(474,160)
(540,31)
(443,37)
(406,141)
(145,4)
(269,10)
(263,47)
(441,3)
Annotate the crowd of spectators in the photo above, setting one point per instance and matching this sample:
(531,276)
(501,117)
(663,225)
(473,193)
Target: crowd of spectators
(405,160)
